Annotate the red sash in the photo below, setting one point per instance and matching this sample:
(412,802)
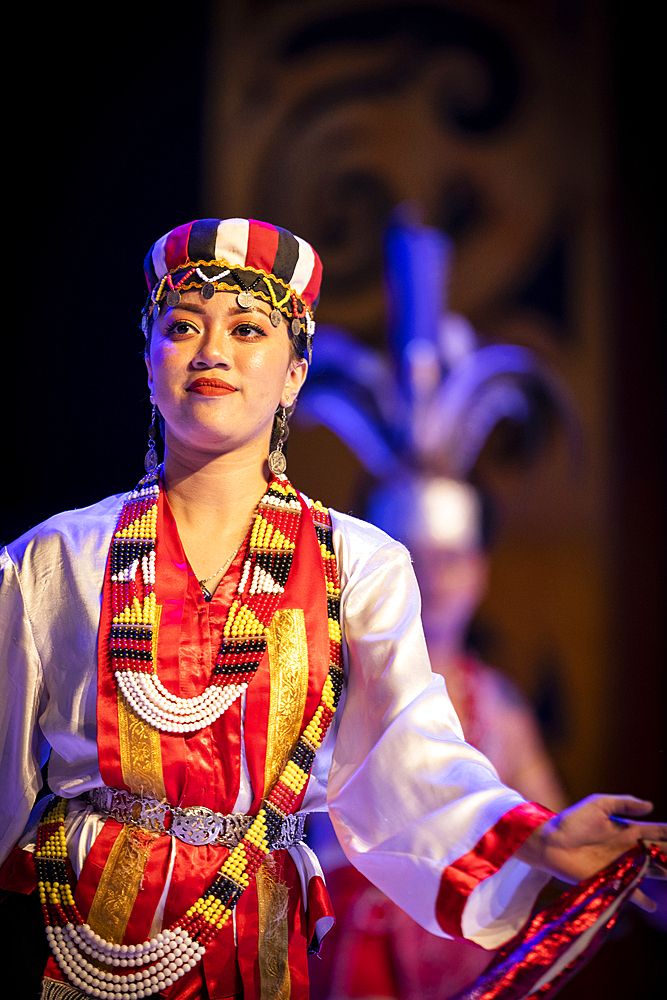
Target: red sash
(203,768)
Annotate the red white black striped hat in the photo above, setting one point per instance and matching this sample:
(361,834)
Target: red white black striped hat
(236,255)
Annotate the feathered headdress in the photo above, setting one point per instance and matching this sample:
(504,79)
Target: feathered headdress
(427,406)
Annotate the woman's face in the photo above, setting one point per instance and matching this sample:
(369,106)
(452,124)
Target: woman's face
(218,372)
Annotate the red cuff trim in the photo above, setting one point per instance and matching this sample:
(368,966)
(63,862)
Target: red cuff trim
(486,857)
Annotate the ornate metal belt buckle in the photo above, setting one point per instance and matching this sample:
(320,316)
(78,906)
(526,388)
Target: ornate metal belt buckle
(197,825)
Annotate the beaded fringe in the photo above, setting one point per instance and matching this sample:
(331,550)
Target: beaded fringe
(53,990)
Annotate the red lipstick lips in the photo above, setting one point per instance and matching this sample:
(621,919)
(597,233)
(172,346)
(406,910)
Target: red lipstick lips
(211,387)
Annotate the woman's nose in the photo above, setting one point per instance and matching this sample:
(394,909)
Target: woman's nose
(214,350)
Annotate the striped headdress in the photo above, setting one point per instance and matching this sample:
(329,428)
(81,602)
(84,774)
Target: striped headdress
(237,255)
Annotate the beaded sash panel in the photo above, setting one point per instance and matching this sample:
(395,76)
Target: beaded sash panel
(134,613)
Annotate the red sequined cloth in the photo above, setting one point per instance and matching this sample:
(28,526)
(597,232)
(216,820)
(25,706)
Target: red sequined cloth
(560,939)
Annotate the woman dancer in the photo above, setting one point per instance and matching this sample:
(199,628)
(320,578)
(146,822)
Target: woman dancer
(210,657)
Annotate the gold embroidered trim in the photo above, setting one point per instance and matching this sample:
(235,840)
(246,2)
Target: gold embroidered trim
(140,750)
(120,882)
(233,267)
(288,662)
(273,943)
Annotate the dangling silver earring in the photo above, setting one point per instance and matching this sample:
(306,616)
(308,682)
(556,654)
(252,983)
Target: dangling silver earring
(151,460)
(277,461)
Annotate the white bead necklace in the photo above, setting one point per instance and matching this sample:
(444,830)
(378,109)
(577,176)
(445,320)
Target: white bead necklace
(134,612)
(171,954)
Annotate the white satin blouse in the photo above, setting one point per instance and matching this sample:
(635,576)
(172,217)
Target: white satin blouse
(407,796)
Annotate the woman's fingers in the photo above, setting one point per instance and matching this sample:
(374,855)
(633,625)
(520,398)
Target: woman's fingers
(655,832)
(630,830)
(624,811)
(588,836)
(627,805)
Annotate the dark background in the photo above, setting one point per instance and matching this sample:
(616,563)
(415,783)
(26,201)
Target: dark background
(104,122)
(110,157)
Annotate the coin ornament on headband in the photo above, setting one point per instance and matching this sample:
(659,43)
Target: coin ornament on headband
(252,259)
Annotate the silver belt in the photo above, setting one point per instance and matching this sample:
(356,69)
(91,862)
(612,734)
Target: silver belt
(193,825)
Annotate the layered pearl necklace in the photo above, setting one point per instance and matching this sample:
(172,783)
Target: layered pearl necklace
(134,610)
(129,971)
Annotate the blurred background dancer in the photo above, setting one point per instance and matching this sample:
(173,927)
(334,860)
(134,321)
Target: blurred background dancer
(429,407)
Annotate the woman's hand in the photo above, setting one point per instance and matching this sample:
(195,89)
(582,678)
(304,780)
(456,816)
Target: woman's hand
(588,836)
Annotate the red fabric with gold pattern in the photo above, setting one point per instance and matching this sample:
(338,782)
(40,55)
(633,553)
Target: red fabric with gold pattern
(203,768)
(248,931)
(306,591)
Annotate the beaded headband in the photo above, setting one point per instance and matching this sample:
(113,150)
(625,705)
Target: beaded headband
(251,258)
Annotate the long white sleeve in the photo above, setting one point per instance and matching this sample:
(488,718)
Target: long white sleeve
(49,618)
(407,796)
(23,749)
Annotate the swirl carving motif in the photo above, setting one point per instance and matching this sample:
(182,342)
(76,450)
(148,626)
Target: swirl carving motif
(352,113)
(328,182)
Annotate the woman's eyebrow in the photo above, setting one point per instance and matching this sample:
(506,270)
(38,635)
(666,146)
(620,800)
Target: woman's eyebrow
(188,306)
(239,311)
(200,310)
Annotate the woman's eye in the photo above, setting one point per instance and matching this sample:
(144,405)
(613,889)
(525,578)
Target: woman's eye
(248,331)
(181,328)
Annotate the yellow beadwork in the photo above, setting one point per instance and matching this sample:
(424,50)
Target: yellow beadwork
(138,613)
(233,611)
(245,623)
(274,300)
(294,777)
(313,731)
(334,631)
(143,527)
(328,694)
